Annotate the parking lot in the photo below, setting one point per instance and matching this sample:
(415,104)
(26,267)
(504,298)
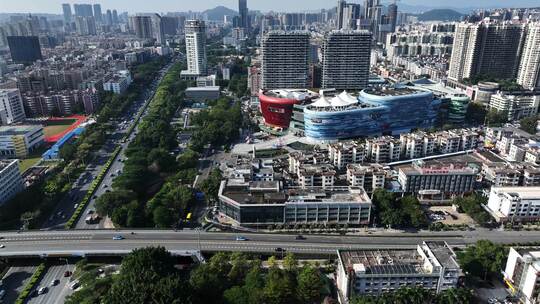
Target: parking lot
(448,216)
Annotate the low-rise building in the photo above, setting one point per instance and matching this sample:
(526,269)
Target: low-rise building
(369,177)
(297,160)
(448,142)
(448,179)
(417,145)
(531,176)
(202,94)
(433,265)
(11,107)
(522,274)
(206,81)
(11,181)
(256,203)
(384,149)
(321,175)
(501,175)
(118,83)
(515,106)
(514,204)
(344,153)
(20,141)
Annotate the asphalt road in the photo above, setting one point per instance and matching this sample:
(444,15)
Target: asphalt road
(117,165)
(14,281)
(100,241)
(57,293)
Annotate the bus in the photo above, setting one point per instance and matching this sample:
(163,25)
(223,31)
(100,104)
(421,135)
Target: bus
(188,217)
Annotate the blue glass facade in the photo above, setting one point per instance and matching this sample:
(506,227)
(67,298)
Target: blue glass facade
(392,111)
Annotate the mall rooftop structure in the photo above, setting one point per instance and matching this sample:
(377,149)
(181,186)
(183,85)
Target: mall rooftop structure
(277,105)
(433,265)
(268,202)
(376,111)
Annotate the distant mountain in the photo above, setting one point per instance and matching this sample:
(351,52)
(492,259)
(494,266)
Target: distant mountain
(440,15)
(217,13)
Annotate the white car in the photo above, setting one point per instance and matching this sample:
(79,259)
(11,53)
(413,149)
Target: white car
(2,246)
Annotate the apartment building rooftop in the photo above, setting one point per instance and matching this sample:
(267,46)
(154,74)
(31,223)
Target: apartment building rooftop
(435,167)
(519,192)
(273,192)
(389,91)
(382,262)
(16,130)
(442,253)
(5,163)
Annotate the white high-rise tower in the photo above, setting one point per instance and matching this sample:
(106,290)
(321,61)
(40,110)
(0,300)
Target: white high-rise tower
(195,49)
(529,67)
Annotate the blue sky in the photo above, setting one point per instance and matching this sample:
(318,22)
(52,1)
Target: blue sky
(54,6)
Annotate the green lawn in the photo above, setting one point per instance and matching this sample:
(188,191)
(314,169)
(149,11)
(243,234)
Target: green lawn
(55,129)
(31,160)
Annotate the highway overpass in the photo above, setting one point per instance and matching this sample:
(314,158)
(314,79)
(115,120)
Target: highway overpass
(186,242)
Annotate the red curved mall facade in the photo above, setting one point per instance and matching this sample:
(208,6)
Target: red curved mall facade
(277,109)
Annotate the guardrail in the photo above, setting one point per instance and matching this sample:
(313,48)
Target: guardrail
(93,187)
(34,279)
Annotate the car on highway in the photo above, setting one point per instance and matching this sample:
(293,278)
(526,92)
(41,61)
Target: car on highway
(241,238)
(67,273)
(42,290)
(300,237)
(74,285)
(2,246)
(279,249)
(117,237)
(55,282)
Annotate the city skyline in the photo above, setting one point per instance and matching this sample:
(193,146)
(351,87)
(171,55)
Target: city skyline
(52,6)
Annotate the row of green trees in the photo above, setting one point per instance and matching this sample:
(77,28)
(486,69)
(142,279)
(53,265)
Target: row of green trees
(217,126)
(33,205)
(398,212)
(149,275)
(151,190)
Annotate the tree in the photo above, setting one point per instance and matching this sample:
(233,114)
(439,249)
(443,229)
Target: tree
(495,117)
(529,124)
(279,288)
(239,268)
(163,218)
(148,275)
(160,158)
(310,285)
(110,201)
(472,205)
(483,259)
(290,263)
(67,151)
(476,113)
(455,296)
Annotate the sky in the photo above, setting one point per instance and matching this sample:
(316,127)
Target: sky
(132,6)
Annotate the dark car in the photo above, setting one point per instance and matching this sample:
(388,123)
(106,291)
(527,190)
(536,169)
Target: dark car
(279,249)
(300,237)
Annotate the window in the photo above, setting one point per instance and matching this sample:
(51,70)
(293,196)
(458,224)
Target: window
(276,110)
